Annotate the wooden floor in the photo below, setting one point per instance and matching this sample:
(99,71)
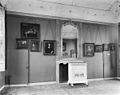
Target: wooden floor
(106,87)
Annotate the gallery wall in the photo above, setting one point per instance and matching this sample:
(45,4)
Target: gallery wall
(103,63)
(43,68)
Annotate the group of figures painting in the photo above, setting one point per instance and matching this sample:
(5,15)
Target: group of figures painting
(30,39)
(89,49)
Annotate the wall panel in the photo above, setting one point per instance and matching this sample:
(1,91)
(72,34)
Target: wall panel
(99,66)
(43,68)
(17,60)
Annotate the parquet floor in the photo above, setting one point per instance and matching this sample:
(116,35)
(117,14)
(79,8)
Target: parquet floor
(105,87)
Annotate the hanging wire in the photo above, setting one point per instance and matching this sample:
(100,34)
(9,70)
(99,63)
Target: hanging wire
(87,35)
(46,31)
(98,35)
(49,30)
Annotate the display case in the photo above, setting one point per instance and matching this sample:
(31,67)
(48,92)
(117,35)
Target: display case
(77,72)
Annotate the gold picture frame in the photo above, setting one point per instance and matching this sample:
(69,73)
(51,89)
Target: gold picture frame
(49,47)
(88,49)
(30,31)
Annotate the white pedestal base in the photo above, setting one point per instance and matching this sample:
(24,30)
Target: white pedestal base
(77,71)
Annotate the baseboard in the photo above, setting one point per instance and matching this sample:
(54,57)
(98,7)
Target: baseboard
(2,88)
(98,79)
(109,78)
(118,78)
(30,84)
(16,85)
(42,83)
(54,82)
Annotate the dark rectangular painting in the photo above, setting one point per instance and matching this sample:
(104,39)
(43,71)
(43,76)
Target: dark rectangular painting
(30,31)
(98,48)
(35,45)
(112,46)
(49,47)
(106,47)
(21,43)
(88,49)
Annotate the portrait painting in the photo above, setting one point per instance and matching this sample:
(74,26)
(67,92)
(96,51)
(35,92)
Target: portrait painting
(35,45)
(88,49)
(49,47)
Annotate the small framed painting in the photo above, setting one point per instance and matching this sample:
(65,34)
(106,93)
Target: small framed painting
(106,47)
(35,45)
(30,31)
(49,47)
(112,46)
(98,48)
(21,43)
(88,49)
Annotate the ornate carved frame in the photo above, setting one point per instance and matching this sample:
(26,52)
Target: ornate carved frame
(76,25)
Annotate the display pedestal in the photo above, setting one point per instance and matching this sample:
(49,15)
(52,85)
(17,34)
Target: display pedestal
(77,71)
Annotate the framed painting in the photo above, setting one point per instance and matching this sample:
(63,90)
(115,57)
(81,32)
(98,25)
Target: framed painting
(98,48)
(88,49)
(112,46)
(21,43)
(106,47)
(30,31)
(49,47)
(35,45)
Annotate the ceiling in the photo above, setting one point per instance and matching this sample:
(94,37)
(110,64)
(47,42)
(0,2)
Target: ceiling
(94,4)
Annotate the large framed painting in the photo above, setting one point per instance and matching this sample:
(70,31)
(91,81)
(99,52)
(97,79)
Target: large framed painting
(88,49)
(21,43)
(35,45)
(98,48)
(49,47)
(30,31)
